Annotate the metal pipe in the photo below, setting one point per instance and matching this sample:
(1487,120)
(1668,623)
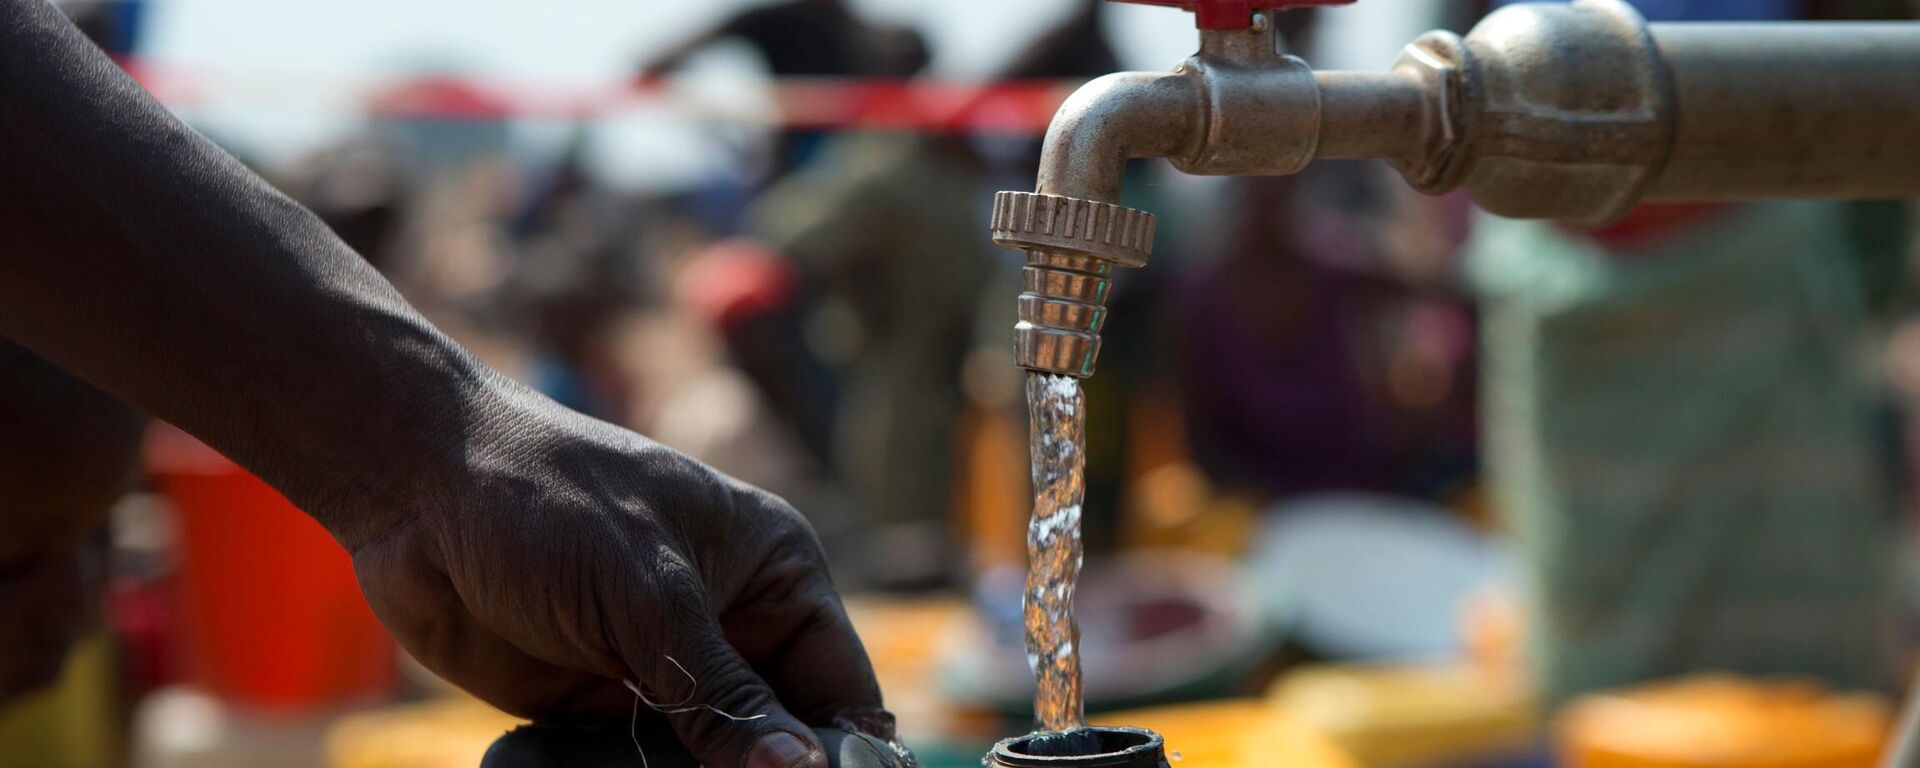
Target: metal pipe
(1372,115)
(1550,111)
(1791,110)
(1581,111)
(1114,119)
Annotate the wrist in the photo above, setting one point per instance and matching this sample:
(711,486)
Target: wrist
(414,448)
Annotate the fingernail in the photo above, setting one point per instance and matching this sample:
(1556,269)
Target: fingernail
(782,750)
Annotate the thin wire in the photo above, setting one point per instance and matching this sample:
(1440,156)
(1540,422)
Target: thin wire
(681,706)
(678,707)
(633,728)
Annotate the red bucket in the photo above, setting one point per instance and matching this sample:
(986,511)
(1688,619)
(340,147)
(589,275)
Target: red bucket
(270,615)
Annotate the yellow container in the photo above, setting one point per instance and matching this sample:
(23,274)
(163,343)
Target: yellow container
(1240,733)
(70,724)
(1725,722)
(449,733)
(1409,715)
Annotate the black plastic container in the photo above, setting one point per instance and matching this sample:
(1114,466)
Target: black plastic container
(1096,747)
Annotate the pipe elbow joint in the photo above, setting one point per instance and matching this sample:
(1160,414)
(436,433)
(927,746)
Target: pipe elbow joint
(1113,119)
(1239,114)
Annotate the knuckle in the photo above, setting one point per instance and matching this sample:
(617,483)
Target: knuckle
(793,531)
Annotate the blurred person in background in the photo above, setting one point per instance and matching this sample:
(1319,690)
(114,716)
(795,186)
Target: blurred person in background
(700,400)
(797,40)
(1325,350)
(569,279)
(1681,435)
(754,300)
(806,39)
(540,559)
(885,230)
(1076,48)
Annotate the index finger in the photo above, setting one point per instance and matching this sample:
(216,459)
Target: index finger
(805,647)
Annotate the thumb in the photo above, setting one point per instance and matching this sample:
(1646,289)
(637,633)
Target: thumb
(722,711)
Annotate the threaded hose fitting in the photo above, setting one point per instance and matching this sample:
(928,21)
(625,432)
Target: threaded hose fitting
(1072,246)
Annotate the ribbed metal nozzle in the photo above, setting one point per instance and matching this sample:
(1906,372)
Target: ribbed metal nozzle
(1072,246)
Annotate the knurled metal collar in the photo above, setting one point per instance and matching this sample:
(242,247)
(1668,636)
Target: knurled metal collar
(1032,220)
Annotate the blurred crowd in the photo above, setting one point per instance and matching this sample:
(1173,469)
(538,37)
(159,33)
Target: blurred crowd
(1305,360)
(829,321)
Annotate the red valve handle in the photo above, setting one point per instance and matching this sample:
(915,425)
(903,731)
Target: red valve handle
(1231,14)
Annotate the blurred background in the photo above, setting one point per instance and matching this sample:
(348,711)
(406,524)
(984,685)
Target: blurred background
(1374,479)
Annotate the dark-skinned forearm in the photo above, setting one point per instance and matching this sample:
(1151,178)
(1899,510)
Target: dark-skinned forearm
(138,255)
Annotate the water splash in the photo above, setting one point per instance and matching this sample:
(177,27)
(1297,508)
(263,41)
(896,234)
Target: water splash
(1057,435)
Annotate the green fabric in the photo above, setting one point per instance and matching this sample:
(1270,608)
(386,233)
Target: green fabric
(1880,233)
(1681,442)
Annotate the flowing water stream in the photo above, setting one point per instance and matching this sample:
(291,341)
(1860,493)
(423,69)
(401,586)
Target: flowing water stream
(1057,431)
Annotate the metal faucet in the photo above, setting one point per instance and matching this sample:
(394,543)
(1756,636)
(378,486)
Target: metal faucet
(1574,112)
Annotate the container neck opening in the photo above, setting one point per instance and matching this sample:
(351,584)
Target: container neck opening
(1084,748)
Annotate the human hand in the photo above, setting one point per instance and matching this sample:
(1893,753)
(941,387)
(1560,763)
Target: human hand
(531,555)
(581,555)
